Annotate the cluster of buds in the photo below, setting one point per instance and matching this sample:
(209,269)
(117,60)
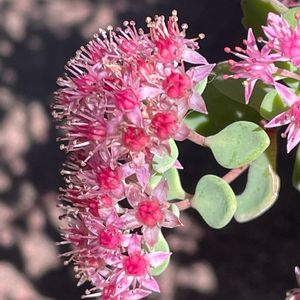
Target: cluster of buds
(124,97)
(282,47)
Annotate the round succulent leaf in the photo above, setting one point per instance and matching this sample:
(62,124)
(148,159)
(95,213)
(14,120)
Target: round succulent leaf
(201,85)
(175,188)
(215,201)
(296,171)
(163,163)
(261,190)
(234,88)
(289,15)
(272,105)
(161,245)
(238,144)
(255,13)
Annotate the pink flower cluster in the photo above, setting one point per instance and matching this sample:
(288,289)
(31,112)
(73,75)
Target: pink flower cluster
(282,45)
(124,96)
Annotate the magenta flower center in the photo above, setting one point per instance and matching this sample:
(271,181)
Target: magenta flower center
(109,238)
(135,139)
(109,179)
(108,292)
(106,201)
(150,212)
(168,50)
(93,207)
(164,124)
(135,265)
(176,85)
(126,100)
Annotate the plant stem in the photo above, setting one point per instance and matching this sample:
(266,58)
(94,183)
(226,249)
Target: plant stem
(286,73)
(229,177)
(197,138)
(235,173)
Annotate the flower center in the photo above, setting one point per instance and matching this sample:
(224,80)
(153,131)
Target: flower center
(176,85)
(109,238)
(93,207)
(135,265)
(135,139)
(168,50)
(109,179)
(164,124)
(126,100)
(149,212)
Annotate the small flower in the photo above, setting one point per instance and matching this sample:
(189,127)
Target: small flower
(294,294)
(150,212)
(255,64)
(291,116)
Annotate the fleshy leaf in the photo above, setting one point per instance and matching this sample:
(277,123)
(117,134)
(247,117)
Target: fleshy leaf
(289,15)
(200,86)
(161,245)
(296,172)
(256,11)
(218,118)
(215,201)
(261,190)
(272,105)
(175,189)
(165,162)
(238,144)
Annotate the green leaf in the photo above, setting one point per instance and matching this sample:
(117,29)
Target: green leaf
(296,171)
(272,105)
(161,245)
(215,201)
(175,188)
(238,144)
(256,11)
(154,180)
(165,162)
(175,210)
(261,190)
(289,15)
(201,85)
(234,88)
(222,111)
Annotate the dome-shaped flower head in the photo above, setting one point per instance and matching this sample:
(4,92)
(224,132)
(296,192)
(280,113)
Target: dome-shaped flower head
(290,117)
(125,95)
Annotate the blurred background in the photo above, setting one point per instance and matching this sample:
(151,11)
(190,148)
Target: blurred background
(240,262)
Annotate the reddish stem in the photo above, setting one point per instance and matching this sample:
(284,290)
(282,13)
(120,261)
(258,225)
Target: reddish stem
(197,138)
(229,177)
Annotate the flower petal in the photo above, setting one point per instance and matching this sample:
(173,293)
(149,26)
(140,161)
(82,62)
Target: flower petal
(193,57)
(279,120)
(151,235)
(197,103)
(161,191)
(286,94)
(157,258)
(151,284)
